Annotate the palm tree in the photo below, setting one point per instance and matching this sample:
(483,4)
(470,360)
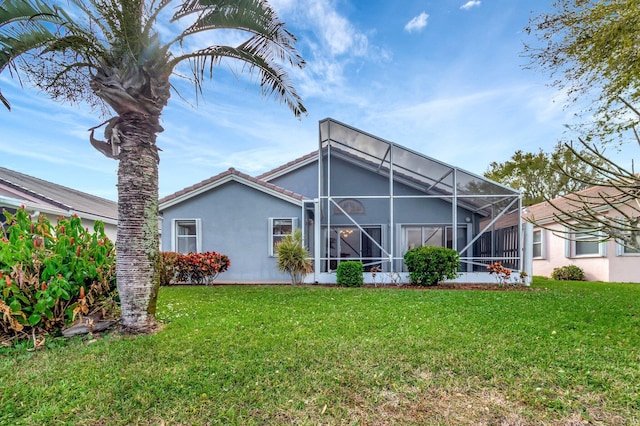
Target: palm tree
(112,51)
(21,30)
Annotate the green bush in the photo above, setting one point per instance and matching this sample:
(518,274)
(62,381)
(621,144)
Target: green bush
(293,257)
(568,273)
(349,274)
(429,265)
(51,274)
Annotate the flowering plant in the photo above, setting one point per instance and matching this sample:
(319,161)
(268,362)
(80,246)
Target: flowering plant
(503,275)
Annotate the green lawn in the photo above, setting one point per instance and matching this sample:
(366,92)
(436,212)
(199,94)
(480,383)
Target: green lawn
(562,353)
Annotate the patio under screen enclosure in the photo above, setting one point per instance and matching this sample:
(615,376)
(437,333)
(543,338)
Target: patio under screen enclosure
(378,199)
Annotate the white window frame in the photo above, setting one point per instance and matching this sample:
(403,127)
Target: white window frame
(570,245)
(621,250)
(294,226)
(541,243)
(174,233)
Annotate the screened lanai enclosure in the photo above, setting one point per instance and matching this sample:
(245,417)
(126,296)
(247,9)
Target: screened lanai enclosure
(378,199)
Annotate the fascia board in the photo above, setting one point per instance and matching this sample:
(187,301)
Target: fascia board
(291,168)
(222,181)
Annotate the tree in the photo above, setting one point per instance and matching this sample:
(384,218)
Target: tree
(590,47)
(112,53)
(28,16)
(609,208)
(539,175)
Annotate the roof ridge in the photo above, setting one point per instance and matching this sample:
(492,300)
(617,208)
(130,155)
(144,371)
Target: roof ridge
(266,184)
(30,191)
(288,164)
(60,196)
(66,188)
(230,171)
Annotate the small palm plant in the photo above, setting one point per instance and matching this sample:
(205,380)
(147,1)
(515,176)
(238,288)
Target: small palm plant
(293,257)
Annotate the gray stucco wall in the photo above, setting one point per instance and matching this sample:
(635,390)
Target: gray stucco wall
(303,181)
(351,181)
(235,221)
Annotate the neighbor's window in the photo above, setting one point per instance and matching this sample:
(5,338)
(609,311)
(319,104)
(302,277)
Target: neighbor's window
(278,229)
(623,250)
(537,244)
(186,236)
(585,244)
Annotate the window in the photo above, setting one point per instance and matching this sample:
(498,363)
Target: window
(583,244)
(350,243)
(350,206)
(624,250)
(537,244)
(186,236)
(278,229)
(434,235)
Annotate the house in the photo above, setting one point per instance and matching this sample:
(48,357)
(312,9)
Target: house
(555,244)
(358,197)
(42,197)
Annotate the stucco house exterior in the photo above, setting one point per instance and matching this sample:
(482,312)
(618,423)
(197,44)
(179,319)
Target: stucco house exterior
(42,197)
(555,246)
(358,197)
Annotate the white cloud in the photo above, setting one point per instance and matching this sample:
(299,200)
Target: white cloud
(471,3)
(417,23)
(335,31)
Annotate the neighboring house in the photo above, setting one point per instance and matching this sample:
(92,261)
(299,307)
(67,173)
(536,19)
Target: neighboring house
(41,197)
(554,246)
(358,197)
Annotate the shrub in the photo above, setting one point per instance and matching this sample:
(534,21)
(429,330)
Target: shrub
(168,268)
(293,257)
(349,274)
(51,274)
(201,268)
(429,265)
(568,273)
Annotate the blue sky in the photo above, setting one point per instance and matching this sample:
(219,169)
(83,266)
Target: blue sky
(442,77)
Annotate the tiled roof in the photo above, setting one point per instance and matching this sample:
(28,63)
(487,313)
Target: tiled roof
(33,190)
(231,172)
(291,164)
(570,203)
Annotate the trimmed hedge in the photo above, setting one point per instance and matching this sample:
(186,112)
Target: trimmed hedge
(349,274)
(429,265)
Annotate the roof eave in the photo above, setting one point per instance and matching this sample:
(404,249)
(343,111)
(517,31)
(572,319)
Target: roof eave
(225,179)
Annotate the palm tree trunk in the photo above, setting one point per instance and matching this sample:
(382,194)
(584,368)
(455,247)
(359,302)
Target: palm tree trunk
(137,245)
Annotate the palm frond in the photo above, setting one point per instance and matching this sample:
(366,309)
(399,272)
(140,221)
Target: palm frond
(12,11)
(274,80)
(253,16)
(4,101)
(269,44)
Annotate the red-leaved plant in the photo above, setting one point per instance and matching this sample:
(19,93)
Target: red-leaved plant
(503,275)
(194,268)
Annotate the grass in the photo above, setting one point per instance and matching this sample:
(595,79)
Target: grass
(565,353)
